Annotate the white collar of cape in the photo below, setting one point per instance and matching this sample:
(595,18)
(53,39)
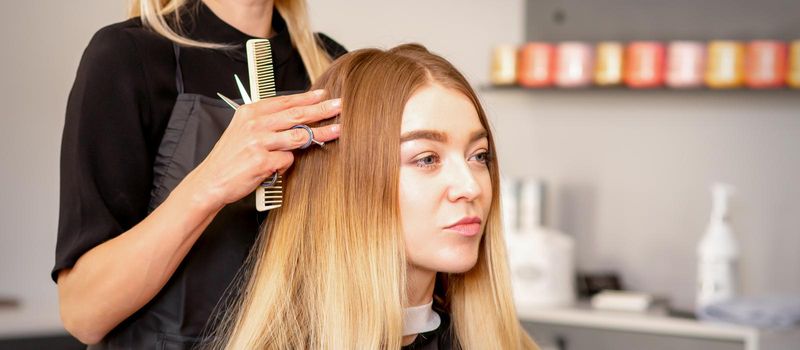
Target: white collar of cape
(420,319)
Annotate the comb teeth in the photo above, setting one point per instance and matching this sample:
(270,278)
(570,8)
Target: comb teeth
(262,85)
(262,77)
(271,197)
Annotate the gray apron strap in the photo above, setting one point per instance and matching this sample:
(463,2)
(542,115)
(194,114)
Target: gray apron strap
(165,177)
(178,72)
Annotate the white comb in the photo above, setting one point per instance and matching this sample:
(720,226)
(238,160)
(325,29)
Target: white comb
(262,85)
(259,64)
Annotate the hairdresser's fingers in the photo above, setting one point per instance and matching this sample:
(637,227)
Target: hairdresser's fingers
(295,138)
(304,115)
(326,133)
(278,161)
(276,104)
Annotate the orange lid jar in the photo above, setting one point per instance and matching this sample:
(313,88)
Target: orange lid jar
(504,65)
(608,63)
(765,64)
(644,64)
(725,65)
(536,65)
(793,73)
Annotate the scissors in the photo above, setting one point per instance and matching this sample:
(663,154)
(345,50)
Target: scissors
(242,90)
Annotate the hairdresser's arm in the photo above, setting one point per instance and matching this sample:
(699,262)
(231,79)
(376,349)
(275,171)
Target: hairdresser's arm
(116,278)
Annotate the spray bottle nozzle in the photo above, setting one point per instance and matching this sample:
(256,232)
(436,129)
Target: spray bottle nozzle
(721,193)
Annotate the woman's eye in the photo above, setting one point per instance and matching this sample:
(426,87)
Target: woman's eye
(483,157)
(428,161)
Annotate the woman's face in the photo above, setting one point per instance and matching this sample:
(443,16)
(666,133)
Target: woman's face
(445,187)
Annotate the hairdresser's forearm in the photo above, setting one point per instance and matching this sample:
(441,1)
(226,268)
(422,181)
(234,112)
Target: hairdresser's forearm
(115,279)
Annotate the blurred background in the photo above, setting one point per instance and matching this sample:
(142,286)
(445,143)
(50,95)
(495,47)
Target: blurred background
(626,171)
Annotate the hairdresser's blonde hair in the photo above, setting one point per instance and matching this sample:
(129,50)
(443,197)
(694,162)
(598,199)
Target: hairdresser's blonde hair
(329,268)
(154,15)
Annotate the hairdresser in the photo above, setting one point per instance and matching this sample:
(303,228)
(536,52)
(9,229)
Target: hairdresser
(157,211)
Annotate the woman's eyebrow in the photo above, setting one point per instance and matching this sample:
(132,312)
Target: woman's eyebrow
(439,136)
(432,135)
(477,135)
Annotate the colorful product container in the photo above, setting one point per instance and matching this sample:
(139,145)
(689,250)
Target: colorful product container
(573,64)
(793,74)
(765,64)
(608,63)
(504,65)
(685,64)
(644,64)
(536,65)
(725,64)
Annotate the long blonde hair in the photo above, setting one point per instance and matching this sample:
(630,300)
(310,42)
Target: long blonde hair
(329,268)
(154,15)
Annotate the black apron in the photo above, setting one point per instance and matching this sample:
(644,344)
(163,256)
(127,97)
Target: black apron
(178,314)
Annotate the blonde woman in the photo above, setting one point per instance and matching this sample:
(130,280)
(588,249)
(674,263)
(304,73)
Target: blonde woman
(388,237)
(157,175)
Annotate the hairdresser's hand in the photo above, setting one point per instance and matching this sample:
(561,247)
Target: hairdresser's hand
(258,142)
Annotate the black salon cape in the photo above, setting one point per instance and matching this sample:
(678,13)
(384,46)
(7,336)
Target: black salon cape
(117,113)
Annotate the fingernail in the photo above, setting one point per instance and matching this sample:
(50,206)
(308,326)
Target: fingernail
(336,103)
(336,128)
(318,92)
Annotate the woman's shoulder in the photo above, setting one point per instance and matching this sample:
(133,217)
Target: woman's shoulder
(118,40)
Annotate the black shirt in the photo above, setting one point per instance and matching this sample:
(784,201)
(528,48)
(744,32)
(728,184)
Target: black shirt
(119,107)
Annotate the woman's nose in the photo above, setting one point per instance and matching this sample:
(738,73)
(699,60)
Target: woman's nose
(462,184)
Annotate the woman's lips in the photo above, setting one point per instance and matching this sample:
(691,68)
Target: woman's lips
(468,226)
(467,230)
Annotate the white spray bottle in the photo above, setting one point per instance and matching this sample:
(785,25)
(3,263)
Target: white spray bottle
(509,203)
(541,260)
(718,253)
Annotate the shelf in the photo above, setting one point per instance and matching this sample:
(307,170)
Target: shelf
(634,322)
(624,90)
(585,328)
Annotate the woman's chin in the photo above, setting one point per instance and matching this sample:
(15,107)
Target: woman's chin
(460,264)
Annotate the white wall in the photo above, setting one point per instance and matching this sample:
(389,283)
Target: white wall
(461,31)
(630,175)
(42,43)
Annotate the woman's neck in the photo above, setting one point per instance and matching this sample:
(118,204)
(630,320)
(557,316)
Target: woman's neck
(420,286)
(252,17)
(420,291)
